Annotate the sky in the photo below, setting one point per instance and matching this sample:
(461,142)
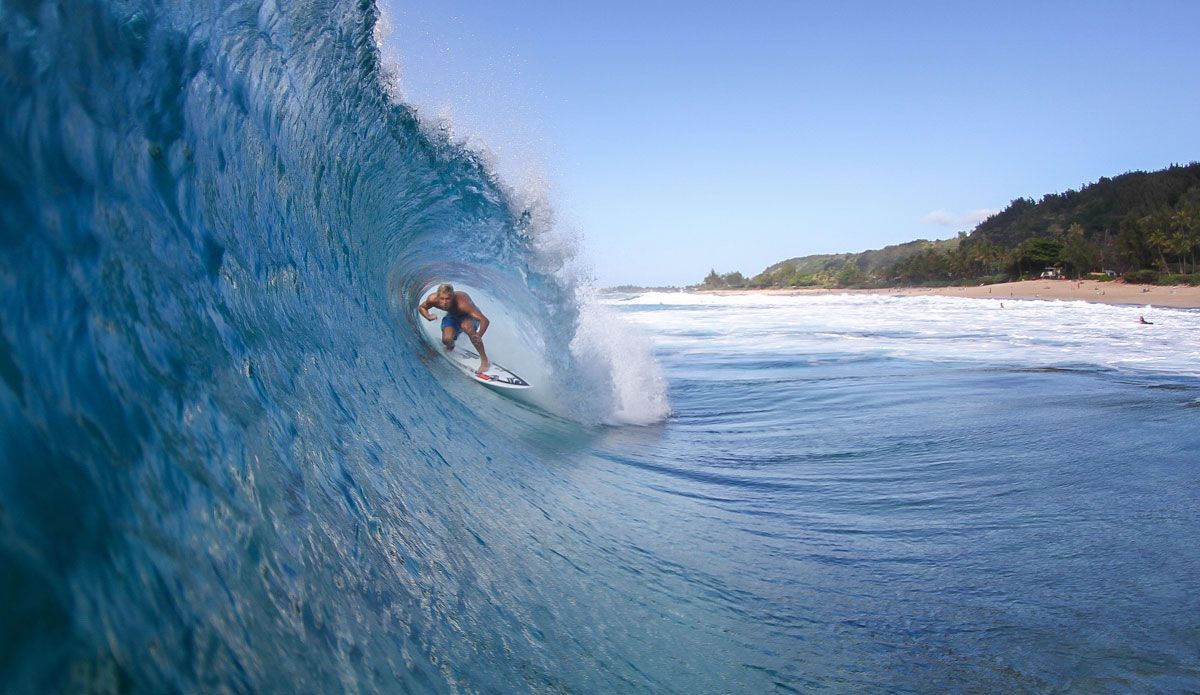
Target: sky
(677,138)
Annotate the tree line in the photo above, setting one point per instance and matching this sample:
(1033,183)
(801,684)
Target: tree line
(1144,226)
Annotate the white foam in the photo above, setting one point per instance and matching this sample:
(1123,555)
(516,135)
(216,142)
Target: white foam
(620,358)
(1032,333)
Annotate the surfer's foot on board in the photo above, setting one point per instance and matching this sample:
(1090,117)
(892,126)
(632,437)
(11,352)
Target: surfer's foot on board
(483,367)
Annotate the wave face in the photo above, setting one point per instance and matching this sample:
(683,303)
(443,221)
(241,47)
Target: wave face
(230,462)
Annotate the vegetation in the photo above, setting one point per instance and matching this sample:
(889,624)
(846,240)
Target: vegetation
(729,281)
(1145,226)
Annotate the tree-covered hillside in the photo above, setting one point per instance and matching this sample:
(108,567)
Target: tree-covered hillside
(867,261)
(1144,225)
(1098,209)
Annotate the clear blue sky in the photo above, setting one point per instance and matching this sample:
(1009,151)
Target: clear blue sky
(681,137)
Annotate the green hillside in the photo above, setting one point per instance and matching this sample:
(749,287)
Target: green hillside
(868,261)
(1144,225)
(1098,209)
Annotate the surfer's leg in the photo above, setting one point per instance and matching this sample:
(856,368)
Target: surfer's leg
(471,328)
(449,331)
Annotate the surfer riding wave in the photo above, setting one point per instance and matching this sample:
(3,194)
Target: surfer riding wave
(461,316)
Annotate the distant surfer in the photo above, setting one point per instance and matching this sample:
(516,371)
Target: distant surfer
(461,316)
(1143,320)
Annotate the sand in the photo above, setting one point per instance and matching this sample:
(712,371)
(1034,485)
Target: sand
(1071,290)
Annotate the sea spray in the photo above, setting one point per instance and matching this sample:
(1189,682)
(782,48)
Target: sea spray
(618,359)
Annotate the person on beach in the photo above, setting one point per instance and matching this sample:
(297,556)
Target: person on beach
(461,316)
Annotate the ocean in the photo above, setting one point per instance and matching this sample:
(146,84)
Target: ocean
(935,494)
(233,461)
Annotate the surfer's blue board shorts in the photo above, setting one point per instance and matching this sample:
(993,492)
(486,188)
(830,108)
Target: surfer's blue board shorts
(455,321)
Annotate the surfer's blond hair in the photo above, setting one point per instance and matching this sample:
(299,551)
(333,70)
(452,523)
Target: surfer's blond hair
(445,288)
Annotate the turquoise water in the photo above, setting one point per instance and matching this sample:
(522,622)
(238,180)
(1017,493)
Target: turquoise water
(233,463)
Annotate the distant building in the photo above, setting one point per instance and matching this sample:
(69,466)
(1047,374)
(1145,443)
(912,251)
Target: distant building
(1051,273)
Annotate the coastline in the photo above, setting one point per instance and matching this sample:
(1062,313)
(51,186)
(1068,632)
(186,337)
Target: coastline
(1181,297)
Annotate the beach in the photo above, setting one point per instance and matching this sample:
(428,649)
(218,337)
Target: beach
(1066,290)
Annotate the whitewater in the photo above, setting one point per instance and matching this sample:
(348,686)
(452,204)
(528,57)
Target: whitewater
(233,462)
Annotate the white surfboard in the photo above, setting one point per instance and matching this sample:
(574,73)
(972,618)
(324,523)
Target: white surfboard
(468,361)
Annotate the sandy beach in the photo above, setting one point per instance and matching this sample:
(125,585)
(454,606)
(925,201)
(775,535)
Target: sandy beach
(1068,290)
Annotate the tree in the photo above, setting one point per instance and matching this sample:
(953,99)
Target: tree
(850,274)
(928,265)
(1158,234)
(1133,242)
(985,258)
(1078,253)
(1185,236)
(1037,253)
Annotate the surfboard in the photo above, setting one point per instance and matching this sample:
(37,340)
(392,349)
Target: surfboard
(468,361)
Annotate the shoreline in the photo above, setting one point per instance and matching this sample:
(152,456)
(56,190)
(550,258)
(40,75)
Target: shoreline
(1180,297)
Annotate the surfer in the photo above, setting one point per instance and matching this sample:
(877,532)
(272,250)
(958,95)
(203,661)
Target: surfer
(461,316)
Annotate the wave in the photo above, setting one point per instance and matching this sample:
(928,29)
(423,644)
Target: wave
(230,460)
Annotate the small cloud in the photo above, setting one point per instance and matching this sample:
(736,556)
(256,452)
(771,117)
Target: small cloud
(939,217)
(970,219)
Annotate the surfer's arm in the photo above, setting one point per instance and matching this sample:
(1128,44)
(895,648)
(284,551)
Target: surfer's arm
(476,314)
(424,309)
(483,322)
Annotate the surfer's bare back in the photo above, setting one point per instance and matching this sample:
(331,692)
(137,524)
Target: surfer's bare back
(461,315)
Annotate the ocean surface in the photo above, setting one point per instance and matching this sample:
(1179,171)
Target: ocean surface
(930,494)
(233,461)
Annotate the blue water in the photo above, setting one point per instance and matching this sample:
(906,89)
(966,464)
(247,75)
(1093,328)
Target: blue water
(232,463)
(938,495)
